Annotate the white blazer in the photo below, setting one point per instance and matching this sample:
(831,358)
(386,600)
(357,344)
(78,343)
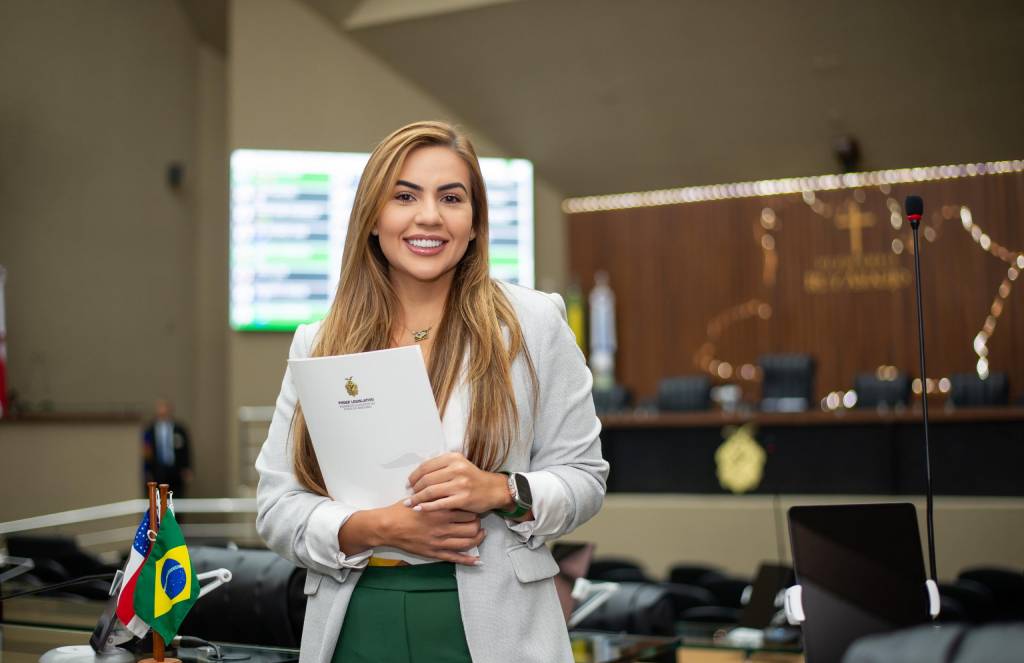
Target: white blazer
(509,608)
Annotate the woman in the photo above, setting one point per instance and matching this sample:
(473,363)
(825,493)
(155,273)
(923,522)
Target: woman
(458,571)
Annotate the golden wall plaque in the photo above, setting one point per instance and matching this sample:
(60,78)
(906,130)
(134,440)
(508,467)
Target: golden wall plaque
(740,460)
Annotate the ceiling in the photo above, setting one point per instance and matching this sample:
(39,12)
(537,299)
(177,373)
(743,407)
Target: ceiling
(608,96)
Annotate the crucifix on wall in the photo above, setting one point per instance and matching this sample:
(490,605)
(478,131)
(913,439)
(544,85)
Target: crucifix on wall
(855,221)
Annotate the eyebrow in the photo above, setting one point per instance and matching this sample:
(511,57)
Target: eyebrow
(443,187)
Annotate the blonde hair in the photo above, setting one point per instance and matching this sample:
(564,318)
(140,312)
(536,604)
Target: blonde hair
(363,313)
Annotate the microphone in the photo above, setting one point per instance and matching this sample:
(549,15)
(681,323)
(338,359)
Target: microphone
(914,208)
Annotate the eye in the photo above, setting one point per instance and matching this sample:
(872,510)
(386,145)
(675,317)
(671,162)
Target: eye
(452,198)
(404,196)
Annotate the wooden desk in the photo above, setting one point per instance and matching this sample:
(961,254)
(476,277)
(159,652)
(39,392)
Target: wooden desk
(974,451)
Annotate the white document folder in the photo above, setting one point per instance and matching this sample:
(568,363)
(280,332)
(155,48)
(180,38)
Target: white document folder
(372,419)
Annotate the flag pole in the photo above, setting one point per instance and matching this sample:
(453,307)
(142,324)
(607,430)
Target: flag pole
(151,487)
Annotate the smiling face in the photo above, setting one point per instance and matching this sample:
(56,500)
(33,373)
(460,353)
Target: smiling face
(426,224)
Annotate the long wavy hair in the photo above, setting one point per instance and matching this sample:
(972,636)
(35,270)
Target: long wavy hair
(365,307)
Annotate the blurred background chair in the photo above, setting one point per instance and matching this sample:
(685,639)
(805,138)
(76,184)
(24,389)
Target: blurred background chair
(59,559)
(686,393)
(264,603)
(728,592)
(873,392)
(687,597)
(616,569)
(691,574)
(968,390)
(616,398)
(1006,586)
(973,600)
(788,382)
(639,608)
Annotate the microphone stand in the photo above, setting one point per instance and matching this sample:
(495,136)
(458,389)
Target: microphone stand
(915,220)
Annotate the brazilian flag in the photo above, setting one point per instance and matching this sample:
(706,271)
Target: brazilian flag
(167,586)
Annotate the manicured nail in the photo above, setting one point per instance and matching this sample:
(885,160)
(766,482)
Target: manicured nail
(418,507)
(408,501)
(478,562)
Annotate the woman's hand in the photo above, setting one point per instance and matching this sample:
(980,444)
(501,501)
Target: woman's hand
(451,481)
(442,534)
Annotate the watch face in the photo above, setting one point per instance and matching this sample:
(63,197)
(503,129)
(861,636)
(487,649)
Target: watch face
(523,490)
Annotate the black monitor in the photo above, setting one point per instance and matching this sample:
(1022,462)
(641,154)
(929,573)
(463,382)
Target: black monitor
(861,571)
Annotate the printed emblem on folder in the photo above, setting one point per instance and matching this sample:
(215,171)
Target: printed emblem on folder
(351,387)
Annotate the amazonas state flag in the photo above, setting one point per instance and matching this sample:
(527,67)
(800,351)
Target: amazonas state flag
(167,586)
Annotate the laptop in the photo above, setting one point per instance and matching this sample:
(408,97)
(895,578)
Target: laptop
(861,571)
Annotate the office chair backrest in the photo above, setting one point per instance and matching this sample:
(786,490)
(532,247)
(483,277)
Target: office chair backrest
(685,393)
(968,390)
(873,391)
(613,399)
(262,605)
(640,608)
(787,378)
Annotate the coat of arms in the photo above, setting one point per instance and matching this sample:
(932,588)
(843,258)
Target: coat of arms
(351,387)
(740,460)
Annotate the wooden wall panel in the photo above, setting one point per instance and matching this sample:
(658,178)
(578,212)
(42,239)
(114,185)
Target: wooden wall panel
(675,267)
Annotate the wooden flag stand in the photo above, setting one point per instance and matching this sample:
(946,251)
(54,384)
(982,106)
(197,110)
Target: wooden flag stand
(151,488)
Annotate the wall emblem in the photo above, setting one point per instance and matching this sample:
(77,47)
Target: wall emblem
(740,460)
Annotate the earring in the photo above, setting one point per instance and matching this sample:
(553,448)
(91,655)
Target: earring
(374,232)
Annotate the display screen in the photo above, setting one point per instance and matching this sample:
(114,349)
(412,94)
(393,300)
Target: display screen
(289,215)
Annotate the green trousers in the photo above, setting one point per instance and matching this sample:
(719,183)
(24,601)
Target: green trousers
(404,614)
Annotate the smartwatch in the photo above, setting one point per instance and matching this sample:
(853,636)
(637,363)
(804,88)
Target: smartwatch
(519,489)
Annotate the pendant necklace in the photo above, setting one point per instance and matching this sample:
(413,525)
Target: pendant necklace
(419,334)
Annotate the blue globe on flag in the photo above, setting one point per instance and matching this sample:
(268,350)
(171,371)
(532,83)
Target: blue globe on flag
(173,578)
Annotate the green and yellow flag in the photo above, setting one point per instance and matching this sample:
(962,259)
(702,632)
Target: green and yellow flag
(167,586)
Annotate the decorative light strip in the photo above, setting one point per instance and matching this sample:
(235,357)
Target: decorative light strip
(1015,260)
(696,194)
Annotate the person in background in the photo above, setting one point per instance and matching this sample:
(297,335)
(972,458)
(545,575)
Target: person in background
(166,456)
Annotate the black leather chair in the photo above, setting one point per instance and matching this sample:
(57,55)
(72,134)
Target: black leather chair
(691,574)
(728,592)
(788,382)
(640,608)
(59,559)
(1007,587)
(873,392)
(974,598)
(613,399)
(686,597)
(712,614)
(262,605)
(968,390)
(616,569)
(686,393)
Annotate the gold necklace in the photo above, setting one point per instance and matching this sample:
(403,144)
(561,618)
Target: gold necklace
(420,335)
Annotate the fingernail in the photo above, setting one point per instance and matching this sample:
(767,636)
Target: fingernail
(418,507)
(408,501)
(478,562)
